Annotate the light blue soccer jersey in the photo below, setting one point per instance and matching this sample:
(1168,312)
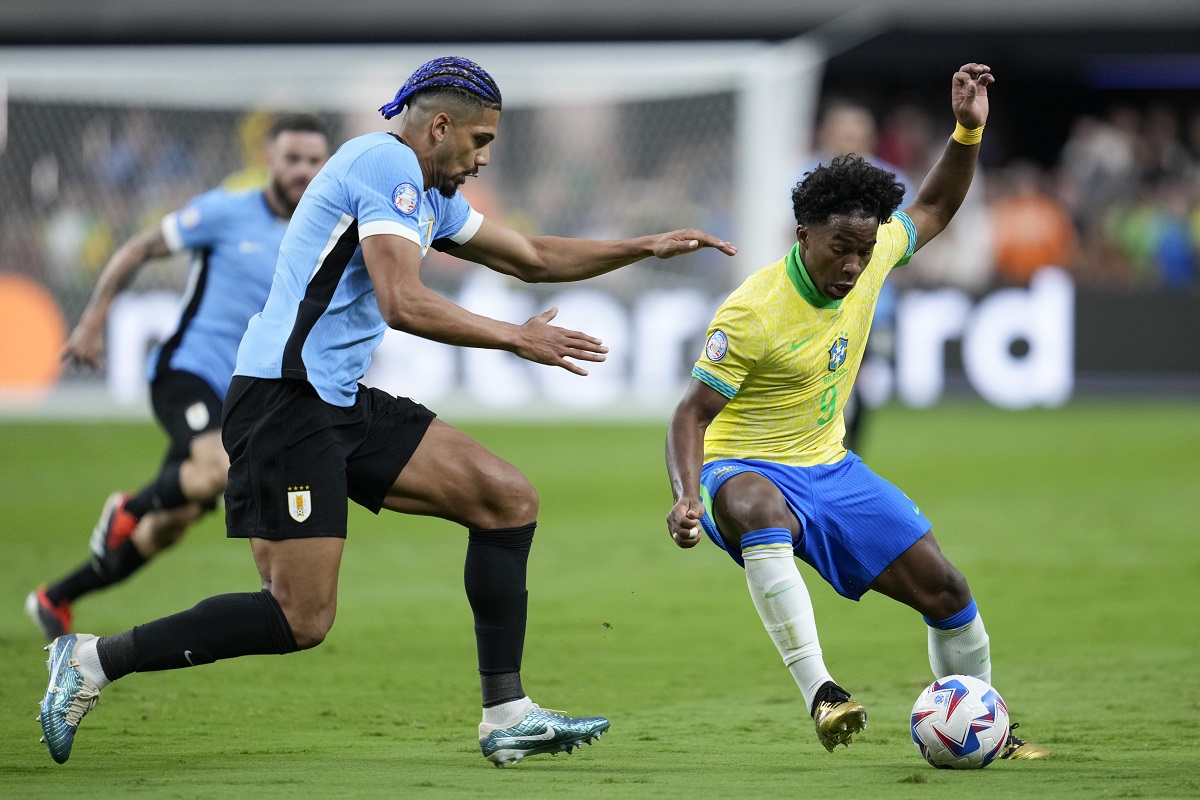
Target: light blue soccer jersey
(234,238)
(321,322)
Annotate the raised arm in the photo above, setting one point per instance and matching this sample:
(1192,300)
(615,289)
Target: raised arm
(551,259)
(685,456)
(946,185)
(394,264)
(85,345)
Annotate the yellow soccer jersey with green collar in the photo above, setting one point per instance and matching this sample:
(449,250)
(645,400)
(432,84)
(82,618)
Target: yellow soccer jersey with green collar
(786,357)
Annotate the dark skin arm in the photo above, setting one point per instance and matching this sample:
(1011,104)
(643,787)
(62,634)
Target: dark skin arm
(685,456)
(946,185)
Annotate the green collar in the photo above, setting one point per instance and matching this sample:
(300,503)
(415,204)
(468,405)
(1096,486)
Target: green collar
(798,275)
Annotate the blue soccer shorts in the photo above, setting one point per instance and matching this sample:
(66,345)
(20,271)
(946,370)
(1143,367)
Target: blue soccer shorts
(853,523)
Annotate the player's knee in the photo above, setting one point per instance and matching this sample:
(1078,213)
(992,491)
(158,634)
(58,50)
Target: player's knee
(310,628)
(309,618)
(213,477)
(507,500)
(751,506)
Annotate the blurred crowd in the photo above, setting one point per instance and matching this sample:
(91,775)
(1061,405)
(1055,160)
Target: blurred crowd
(1120,207)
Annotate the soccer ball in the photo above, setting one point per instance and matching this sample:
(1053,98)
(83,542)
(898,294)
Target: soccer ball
(959,722)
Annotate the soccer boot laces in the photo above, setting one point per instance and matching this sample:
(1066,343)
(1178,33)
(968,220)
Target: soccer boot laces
(539,731)
(837,716)
(1017,749)
(53,621)
(69,696)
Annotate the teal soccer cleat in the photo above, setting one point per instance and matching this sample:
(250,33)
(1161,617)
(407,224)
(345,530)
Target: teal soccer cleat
(540,731)
(70,695)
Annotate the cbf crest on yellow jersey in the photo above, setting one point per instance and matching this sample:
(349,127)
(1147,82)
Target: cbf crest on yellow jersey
(786,357)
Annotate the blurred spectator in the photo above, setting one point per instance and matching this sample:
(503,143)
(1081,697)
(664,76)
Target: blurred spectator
(1099,166)
(251,133)
(1031,230)
(907,139)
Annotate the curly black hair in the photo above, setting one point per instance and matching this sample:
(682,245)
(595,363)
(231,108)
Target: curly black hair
(847,185)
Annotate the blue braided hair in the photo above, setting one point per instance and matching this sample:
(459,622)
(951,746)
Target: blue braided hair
(457,75)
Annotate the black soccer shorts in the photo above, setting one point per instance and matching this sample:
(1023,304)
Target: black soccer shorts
(185,406)
(295,460)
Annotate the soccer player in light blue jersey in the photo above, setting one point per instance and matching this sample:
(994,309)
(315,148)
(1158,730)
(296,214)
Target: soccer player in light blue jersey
(304,436)
(233,238)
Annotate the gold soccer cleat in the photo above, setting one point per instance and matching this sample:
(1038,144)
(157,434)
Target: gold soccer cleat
(1018,749)
(837,716)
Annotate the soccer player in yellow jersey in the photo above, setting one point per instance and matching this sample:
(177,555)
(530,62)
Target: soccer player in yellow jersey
(754,449)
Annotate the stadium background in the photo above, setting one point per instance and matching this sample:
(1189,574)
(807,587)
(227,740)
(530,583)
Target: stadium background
(624,120)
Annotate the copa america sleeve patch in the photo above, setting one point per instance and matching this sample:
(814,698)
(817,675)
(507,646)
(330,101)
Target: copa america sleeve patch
(405,197)
(717,346)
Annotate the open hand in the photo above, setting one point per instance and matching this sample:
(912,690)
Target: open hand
(84,347)
(689,240)
(544,343)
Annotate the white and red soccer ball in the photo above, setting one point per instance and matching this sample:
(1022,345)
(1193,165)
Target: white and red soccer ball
(960,722)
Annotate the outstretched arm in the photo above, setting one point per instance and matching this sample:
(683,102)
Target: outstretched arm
(946,185)
(551,259)
(685,456)
(86,343)
(406,304)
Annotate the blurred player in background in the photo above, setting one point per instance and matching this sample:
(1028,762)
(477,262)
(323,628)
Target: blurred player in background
(754,449)
(234,239)
(304,436)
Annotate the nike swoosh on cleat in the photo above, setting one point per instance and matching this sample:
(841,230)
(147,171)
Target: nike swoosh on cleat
(546,736)
(769,595)
(188,655)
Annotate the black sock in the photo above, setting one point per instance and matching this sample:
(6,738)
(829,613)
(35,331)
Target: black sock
(494,575)
(225,626)
(119,564)
(87,578)
(97,573)
(164,492)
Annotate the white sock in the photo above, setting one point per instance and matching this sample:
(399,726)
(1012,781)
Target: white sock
(961,651)
(786,610)
(89,660)
(507,714)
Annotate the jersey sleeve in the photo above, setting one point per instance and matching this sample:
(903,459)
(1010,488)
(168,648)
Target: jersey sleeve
(736,341)
(899,236)
(199,223)
(384,192)
(457,223)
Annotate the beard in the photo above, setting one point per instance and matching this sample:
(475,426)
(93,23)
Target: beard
(285,194)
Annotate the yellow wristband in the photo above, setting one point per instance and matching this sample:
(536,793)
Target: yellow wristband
(967,135)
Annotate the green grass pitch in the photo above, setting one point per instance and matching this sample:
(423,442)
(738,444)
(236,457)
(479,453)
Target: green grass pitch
(1079,530)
